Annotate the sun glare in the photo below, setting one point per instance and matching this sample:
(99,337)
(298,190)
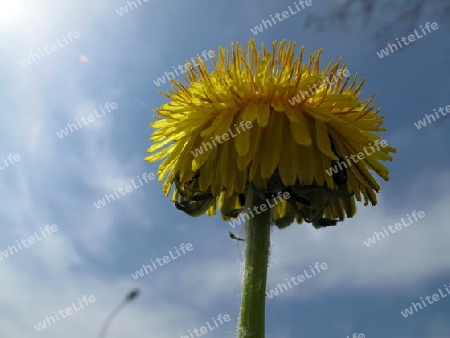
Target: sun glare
(10,13)
(15,13)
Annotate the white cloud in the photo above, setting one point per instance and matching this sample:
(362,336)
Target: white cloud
(402,260)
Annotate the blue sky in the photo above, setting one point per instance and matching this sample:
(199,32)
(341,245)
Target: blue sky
(94,251)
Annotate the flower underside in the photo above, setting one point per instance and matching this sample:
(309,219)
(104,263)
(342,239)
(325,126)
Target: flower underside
(285,147)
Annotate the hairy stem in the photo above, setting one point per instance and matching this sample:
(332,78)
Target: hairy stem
(257,244)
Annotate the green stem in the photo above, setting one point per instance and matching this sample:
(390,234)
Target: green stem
(257,243)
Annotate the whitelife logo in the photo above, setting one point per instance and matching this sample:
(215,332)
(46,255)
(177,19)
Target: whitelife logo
(53,47)
(360,156)
(411,38)
(90,118)
(68,311)
(280,195)
(123,10)
(166,259)
(284,14)
(221,139)
(398,226)
(300,278)
(423,123)
(11,158)
(49,229)
(109,198)
(204,330)
(187,66)
(340,74)
(418,306)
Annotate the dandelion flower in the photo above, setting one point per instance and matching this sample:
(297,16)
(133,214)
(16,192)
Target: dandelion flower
(275,121)
(302,127)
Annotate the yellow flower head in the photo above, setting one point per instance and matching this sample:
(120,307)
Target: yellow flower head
(270,120)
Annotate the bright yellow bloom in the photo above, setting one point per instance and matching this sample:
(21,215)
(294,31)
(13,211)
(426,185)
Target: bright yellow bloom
(287,148)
